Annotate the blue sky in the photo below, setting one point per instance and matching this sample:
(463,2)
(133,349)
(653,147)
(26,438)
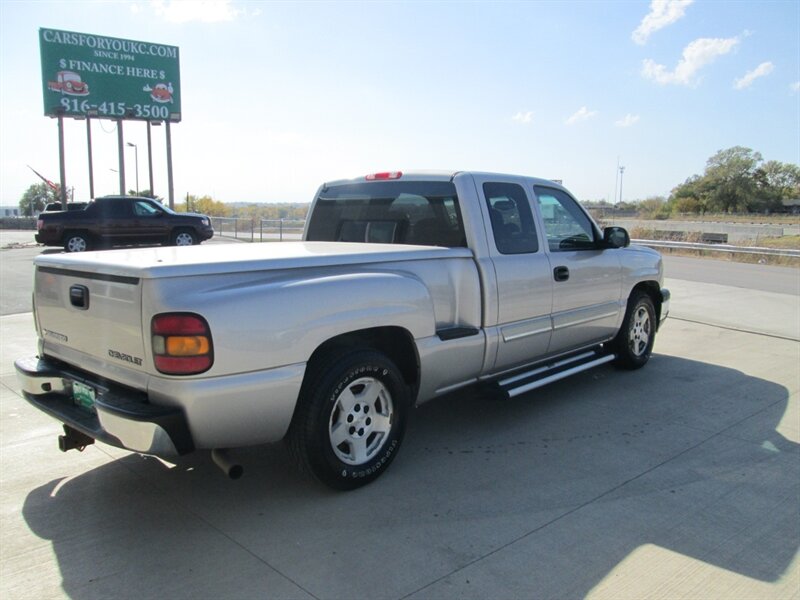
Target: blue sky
(278,97)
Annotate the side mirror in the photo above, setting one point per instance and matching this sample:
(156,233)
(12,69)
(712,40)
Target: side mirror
(616,237)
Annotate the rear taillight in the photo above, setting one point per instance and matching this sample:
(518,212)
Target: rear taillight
(385,176)
(181,344)
(39,224)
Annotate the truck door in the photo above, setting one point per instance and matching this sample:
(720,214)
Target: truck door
(115,219)
(521,312)
(150,222)
(587,279)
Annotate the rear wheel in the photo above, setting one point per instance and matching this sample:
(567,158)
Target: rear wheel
(183,237)
(350,419)
(634,342)
(76,242)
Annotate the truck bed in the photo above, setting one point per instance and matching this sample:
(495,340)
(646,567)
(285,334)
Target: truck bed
(153,263)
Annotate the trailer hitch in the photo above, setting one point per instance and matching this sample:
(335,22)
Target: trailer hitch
(73,440)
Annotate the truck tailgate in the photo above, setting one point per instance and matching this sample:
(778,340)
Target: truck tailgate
(90,315)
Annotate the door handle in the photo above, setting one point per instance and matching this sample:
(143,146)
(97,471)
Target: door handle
(561,273)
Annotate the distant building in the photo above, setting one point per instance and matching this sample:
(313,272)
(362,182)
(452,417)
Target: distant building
(9,211)
(791,206)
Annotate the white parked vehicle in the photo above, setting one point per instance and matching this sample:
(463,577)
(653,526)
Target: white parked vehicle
(405,287)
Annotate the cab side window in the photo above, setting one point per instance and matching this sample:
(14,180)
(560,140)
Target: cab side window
(145,209)
(109,209)
(566,225)
(512,220)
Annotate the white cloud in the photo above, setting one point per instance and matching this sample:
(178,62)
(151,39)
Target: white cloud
(205,11)
(662,13)
(523,117)
(761,70)
(627,121)
(795,87)
(696,55)
(582,115)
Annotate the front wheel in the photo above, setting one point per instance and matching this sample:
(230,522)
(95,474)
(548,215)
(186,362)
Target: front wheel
(184,237)
(350,419)
(634,342)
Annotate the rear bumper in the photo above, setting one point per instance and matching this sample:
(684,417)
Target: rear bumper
(120,417)
(48,239)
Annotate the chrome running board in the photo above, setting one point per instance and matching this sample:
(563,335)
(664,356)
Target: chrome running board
(521,383)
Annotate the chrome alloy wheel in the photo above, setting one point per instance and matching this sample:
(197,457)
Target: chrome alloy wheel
(640,331)
(184,239)
(76,244)
(360,421)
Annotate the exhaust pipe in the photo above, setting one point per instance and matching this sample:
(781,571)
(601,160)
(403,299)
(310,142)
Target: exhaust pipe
(228,465)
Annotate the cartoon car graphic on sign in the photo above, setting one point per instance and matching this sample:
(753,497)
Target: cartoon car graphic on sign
(69,82)
(160,92)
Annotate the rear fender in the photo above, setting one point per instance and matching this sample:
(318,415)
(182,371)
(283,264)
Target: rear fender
(260,322)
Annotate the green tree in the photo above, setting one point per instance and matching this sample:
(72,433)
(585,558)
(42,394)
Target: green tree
(691,196)
(780,179)
(205,205)
(271,211)
(731,179)
(737,180)
(36,197)
(654,207)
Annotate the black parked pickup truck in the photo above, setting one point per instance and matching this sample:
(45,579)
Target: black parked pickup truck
(121,221)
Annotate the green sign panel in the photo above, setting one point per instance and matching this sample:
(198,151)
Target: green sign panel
(92,75)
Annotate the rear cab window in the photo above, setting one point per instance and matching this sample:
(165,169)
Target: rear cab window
(512,221)
(422,213)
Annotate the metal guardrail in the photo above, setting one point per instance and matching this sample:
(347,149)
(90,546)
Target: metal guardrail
(265,230)
(720,248)
(258,230)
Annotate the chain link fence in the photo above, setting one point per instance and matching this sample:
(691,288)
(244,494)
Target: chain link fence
(259,230)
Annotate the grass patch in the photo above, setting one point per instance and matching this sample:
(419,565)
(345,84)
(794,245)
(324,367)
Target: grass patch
(787,242)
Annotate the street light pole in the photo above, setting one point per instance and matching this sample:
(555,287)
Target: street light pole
(136,150)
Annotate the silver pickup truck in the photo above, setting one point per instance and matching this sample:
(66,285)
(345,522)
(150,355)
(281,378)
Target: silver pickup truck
(406,286)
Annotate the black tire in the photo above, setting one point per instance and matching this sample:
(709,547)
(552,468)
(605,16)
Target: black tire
(76,241)
(369,430)
(183,237)
(634,342)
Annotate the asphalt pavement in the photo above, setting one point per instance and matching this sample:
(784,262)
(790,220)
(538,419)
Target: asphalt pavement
(680,480)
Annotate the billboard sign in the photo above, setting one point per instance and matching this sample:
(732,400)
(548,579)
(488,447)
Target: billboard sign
(102,77)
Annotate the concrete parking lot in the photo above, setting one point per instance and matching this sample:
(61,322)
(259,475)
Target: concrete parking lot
(681,480)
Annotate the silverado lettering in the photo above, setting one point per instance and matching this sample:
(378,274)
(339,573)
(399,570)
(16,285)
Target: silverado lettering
(55,335)
(126,357)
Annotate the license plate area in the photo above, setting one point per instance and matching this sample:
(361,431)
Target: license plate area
(83,395)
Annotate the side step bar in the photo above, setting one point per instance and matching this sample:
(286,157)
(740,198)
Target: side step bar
(541,376)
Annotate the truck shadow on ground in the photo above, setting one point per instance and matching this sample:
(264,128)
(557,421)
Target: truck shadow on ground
(543,496)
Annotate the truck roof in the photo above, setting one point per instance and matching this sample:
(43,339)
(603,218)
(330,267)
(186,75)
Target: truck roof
(435,175)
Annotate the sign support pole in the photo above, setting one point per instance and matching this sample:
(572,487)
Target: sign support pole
(150,159)
(89,146)
(121,151)
(170,183)
(61,162)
